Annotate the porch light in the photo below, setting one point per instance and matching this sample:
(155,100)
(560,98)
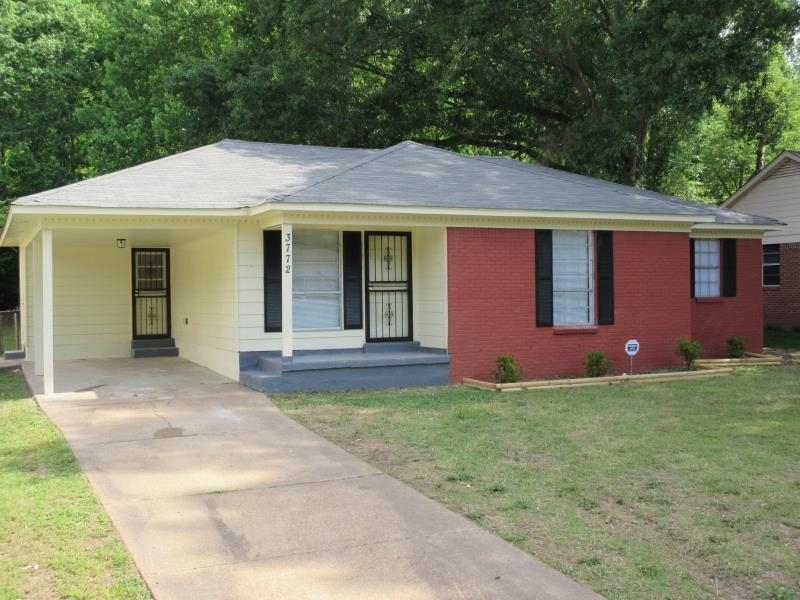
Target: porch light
(121,242)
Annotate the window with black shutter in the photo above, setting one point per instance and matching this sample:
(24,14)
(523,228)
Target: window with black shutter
(272,280)
(713,267)
(729,267)
(351,276)
(544,277)
(605,277)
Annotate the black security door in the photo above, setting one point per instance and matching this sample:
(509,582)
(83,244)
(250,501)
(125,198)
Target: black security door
(151,300)
(387,263)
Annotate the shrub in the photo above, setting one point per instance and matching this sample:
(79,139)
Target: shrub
(689,351)
(507,370)
(736,346)
(597,364)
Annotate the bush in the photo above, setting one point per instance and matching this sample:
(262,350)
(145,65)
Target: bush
(736,346)
(507,370)
(689,351)
(597,364)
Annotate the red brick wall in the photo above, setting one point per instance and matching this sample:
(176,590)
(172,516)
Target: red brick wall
(714,319)
(782,303)
(491,297)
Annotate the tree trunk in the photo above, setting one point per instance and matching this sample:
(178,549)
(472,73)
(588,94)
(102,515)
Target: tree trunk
(760,151)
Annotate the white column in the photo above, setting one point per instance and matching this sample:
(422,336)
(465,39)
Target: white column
(286,291)
(47,310)
(36,298)
(23,300)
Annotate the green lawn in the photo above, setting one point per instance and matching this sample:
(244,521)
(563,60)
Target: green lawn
(679,490)
(8,335)
(782,338)
(55,539)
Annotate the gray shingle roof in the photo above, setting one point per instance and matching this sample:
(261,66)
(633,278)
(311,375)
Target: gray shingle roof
(233,174)
(225,175)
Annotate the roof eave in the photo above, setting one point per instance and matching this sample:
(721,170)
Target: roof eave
(476,212)
(59,210)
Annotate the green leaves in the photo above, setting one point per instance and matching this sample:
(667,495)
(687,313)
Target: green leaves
(623,89)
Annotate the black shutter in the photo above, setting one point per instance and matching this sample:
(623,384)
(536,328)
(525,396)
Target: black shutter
(272,280)
(544,278)
(351,267)
(729,267)
(605,277)
(691,267)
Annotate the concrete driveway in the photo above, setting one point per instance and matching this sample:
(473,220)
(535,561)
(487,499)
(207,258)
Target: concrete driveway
(218,495)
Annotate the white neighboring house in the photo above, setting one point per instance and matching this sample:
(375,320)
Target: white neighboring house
(775,192)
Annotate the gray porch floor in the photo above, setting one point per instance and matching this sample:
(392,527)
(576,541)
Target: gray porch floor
(217,494)
(347,369)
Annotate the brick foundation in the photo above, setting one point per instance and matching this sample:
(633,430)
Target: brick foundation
(782,303)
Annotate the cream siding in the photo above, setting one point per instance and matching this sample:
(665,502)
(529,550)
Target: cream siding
(777,196)
(91,300)
(429,295)
(429,249)
(204,301)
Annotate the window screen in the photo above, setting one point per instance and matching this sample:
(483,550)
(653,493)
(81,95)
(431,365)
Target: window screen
(706,268)
(573,278)
(316,280)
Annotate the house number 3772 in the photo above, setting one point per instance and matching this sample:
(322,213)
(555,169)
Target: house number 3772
(287,253)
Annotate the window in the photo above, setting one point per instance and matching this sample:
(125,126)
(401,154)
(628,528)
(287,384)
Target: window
(706,268)
(573,278)
(772,264)
(316,280)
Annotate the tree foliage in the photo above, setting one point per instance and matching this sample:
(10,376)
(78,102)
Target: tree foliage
(596,86)
(738,136)
(612,88)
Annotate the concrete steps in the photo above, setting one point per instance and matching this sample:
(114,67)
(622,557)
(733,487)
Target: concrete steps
(403,364)
(156,347)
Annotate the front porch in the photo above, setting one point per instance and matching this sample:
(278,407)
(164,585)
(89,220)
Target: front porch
(374,366)
(324,322)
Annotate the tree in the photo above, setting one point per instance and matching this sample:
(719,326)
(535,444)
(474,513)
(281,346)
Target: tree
(48,68)
(595,86)
(134,115)
(738,136)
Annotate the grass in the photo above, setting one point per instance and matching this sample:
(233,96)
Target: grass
(680,490)
(782,338)
(8,335)
(56,540)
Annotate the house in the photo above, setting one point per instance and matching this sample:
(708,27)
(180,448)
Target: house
(294,267)
(775,191)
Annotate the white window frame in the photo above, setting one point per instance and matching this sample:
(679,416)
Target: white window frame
(340,291)
(588,291)
(707,268)
(765,264)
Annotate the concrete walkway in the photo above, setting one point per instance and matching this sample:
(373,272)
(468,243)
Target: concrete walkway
(218,495)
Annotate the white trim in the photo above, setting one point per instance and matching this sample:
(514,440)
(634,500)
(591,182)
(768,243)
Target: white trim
(303,207)
(23,298)
(589,263)
(775,164)
(287,296)
(698,269)
(47,311)
(26,209)
(765,264)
